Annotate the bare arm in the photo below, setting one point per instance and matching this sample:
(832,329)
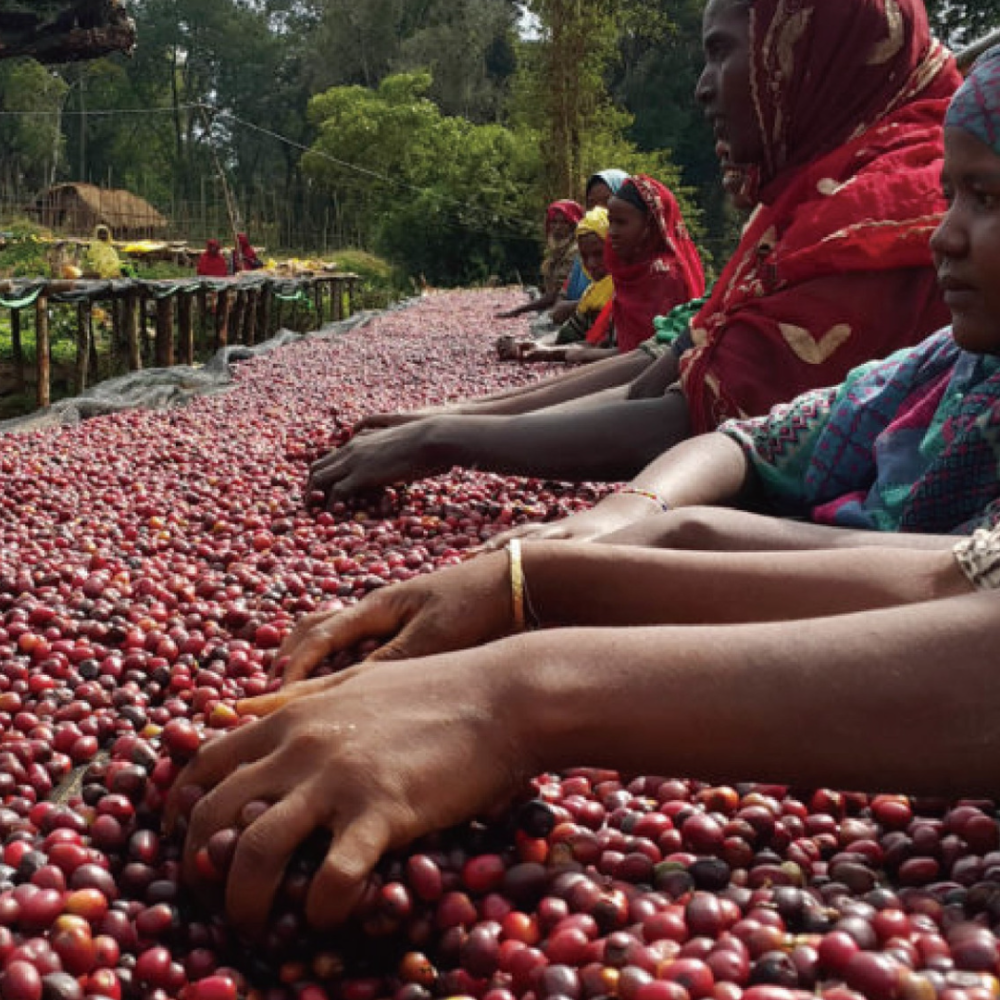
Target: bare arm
(609,442)
(723,529)
(706,470)
(901,699)
(576,584)
(613,372)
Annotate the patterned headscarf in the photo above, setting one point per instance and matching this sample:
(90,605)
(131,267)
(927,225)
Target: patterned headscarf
(976,107)
(824,72)
(596,222)
(572,211)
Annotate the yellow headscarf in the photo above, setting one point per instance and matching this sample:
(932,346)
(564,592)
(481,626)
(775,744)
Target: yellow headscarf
(101,259)
(598,293)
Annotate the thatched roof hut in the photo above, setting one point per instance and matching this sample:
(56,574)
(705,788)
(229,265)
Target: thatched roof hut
(77,208)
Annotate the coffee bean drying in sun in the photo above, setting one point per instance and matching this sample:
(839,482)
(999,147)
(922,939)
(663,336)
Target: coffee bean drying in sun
(150,564)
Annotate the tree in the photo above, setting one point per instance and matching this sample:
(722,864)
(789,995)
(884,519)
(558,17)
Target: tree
(443,197)
(31,137)
(961,23)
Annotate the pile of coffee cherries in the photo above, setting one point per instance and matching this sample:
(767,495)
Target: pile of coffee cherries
(150,566)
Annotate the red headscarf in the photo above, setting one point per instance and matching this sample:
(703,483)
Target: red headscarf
(211,264)
(834,266)
(670,274)
(571,211)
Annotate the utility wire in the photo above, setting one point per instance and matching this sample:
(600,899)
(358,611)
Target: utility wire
(485,224)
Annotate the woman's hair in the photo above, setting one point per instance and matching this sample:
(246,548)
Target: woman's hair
(630,193)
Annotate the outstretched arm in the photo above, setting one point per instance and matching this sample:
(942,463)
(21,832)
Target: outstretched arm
(725,529)
(901,699)
(565,387)
(609,442)
(603,585)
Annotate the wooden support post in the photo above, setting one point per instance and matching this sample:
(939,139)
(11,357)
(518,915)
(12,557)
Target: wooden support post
(42,357)
(185,319)
(83,340)
(317,291)
(131,329)
(203,314)
(165,332)
(236,324)
(264,313)
(17,347)
(222,309)
(95,361)
(250,317)
(143,327)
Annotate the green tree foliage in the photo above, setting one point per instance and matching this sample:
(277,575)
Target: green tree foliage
(962,23)
(31,138)
(447,199)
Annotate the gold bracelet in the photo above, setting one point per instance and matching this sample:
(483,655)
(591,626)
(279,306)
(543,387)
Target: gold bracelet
(648,494)
(516,583)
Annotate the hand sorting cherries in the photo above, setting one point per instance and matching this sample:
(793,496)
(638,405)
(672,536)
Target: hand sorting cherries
(150,565)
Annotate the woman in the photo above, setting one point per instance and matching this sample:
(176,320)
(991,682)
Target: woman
(101,259)
(561,220)
(245,256)
(833,269)
(212,263)
(653,263)
(602,186)
(885,659)
(593,309)
(652,259)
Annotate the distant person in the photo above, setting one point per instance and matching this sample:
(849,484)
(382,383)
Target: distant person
(561,219)
(101,259)
(602,185)
(593,309)
(212,263)
(244,256)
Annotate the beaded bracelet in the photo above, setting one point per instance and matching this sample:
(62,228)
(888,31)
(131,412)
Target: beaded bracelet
(648,494)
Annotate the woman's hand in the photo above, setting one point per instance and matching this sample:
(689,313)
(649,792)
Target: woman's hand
(455,608)
(377,756)
(612,514)
(369,461)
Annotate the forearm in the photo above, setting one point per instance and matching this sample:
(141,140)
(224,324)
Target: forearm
(629,585)
(901,699)
(723,529)
(616,371)
(610,442)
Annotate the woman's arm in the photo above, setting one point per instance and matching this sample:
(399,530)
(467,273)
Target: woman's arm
(724,529)
(902,699)
(603,585)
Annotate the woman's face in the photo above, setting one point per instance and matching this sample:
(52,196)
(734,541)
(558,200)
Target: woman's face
(723,89)
(598,195)
(629,229)
(561,228)
(966,245)
(591,248)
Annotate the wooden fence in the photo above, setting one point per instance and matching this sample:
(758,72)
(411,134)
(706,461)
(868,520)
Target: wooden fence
(167,315)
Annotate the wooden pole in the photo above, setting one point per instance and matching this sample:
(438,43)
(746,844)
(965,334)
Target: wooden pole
(43,359)
(132,330)
(17,347)
(250,317)
(237,318)
(222,309)
(83,336)
(165,332)
(203,314)
(185,319)
(264,312)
